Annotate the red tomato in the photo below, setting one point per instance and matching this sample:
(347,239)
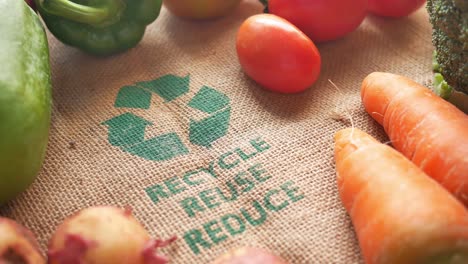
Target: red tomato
(201,9)
(321,20)
(394,8)
(277,55)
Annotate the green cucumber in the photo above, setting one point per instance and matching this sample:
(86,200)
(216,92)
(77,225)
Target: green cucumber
(25,97)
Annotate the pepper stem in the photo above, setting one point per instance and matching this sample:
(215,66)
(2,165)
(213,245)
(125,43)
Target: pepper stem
(107,13)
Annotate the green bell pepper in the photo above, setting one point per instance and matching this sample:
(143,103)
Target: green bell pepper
(99,27)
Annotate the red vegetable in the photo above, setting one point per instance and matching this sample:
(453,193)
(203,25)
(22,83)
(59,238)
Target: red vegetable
(277,55)
(249,255)
(428,130)
(104,235)
(18,244)
(321,20)
(394,8)
(400,215)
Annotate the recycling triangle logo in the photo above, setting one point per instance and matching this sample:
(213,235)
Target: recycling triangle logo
(127,131)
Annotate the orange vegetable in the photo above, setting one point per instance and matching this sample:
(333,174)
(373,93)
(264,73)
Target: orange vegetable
(400,215)
(428,130)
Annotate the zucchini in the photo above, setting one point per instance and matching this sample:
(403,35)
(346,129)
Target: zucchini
(25,97)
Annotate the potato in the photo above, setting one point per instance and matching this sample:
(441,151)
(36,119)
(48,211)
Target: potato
(249,255)
(104,235)
(18,244)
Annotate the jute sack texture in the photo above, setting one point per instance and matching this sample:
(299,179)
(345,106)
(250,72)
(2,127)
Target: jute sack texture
(174,129)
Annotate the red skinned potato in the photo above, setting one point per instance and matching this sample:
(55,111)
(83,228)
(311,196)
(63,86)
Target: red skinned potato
(104,235)
(277,55)
(249,255)
(18,244)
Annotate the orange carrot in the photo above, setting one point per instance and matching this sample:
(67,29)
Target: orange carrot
(400,215)
(428,130)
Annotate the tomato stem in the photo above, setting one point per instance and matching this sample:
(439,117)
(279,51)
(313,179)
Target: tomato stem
(265,3)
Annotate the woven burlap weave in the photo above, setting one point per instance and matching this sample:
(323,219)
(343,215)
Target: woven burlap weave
(282,144)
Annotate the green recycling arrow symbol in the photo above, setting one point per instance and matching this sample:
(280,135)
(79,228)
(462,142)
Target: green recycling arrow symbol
(127,131)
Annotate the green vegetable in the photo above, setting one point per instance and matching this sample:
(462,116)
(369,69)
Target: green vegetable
(99,27)
(449,19)
(25,97)
(441,87)
(435,64)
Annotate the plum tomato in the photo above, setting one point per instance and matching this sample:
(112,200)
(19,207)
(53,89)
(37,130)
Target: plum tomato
(394,8)
(276,54)
(200,9)
(321,20)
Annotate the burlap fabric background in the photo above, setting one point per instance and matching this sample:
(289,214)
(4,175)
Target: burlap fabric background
(307,226)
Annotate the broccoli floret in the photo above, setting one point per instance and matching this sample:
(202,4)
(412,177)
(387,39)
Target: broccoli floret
(435,64)
(449,19)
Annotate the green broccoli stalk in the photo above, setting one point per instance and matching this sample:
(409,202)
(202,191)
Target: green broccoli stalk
(435,64)
(441,87)
(449,19)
